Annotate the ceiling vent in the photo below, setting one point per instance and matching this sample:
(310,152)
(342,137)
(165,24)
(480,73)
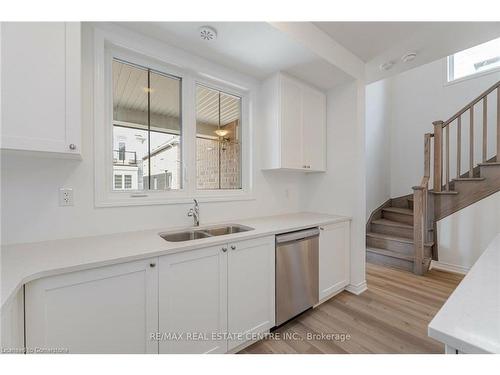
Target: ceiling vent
(208,33)
(409,57)
(386,66)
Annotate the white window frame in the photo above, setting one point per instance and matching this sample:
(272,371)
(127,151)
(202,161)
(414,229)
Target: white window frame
(108,45)
(448,68)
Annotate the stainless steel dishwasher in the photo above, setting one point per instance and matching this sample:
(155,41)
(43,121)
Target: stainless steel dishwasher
(297,269)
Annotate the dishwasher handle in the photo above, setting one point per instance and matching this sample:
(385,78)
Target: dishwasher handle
(299,235)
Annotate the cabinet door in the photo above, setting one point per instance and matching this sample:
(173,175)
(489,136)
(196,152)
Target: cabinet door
(250,289)
(111,309)
(291,123)
(314,129)
(41,80)
(193,301)
(334,245)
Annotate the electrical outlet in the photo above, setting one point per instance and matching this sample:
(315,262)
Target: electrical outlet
(65,197)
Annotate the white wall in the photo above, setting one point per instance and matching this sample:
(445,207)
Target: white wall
(342,188)
(419,97)
(378,144)
(416,98)
(29,187)
(463,236)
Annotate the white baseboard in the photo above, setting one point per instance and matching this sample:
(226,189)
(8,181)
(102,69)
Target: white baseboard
(357,289)
(449,267)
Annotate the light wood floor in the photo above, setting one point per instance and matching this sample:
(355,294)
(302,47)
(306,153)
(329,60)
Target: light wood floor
(390,317)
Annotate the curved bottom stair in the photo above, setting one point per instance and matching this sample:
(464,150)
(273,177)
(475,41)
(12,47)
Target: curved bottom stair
(389,236)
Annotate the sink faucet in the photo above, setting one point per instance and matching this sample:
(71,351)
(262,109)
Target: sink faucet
(195,213)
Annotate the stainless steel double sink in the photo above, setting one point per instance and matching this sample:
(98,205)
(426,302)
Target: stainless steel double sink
(195,234)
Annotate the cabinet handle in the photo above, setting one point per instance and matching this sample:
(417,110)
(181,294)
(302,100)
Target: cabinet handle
(72,146)
(304,166)
(233,247)
(224,249)
(152,265)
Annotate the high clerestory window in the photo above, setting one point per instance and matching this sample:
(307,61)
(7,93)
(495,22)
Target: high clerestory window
(476,60)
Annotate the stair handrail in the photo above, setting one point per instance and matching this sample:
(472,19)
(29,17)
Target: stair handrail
(423,212)
(471,104)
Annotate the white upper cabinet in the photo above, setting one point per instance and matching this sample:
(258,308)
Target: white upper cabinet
(41,84)
(295,125)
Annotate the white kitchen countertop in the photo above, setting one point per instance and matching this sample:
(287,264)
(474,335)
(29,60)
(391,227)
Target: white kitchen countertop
(470,319)
(22,263)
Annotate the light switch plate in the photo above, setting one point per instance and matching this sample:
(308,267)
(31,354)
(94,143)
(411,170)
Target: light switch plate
(65,197)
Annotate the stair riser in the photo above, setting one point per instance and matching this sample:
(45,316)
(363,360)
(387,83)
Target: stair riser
(393,231)
(383,260)
(396,246)
(492,171)
(394,216)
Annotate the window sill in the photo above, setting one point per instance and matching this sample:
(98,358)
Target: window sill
(125,199)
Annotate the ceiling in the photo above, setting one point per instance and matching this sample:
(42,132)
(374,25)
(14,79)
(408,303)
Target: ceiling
(254,48)
(259,49)
(379,42)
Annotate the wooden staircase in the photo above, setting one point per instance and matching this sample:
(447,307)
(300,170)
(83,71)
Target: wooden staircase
(389,235)
(402,232)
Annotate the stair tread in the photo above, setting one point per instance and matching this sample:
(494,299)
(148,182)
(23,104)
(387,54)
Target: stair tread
(490,163)
(470,179)
(404,211)
(444,192)
(389,237)
(390,253)
(392,223)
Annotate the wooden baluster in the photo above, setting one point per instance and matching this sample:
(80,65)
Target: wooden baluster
(471,142)
(485,128)
(448,158)
(438,155)
(498,124)
(459,145)
(427,155)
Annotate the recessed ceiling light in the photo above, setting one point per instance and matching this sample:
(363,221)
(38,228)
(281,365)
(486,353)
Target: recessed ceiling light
(208,33)
(409,57)
(386,66)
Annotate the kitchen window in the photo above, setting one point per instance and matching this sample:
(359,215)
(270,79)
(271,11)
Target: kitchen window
(218,135)
(146,126)
(473,61)
(166,133)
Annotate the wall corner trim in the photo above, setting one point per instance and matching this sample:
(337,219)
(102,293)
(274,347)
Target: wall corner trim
(357,289)
(453,268)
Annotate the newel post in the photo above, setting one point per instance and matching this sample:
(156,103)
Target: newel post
(438,155)
(419,228)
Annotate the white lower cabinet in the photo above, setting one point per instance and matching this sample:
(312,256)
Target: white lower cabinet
(210,300)
(210,296)
(334,245)
(193,301)
(111,309)
(250,289)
